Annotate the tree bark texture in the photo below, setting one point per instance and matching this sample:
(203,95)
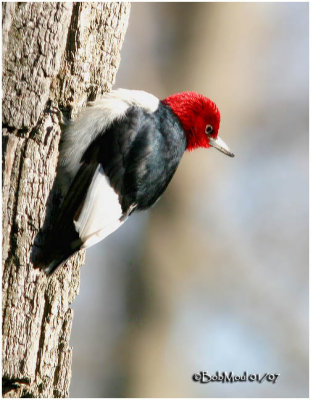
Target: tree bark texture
(56,57)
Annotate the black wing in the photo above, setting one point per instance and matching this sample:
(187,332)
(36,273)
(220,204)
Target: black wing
(140,154)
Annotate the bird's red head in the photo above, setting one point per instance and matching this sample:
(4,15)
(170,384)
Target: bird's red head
(199,116)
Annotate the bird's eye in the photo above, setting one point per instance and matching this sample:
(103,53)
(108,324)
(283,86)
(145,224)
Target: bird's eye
(209,129)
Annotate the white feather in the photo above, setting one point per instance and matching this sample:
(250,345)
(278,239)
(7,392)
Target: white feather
(101,212)
(94,120)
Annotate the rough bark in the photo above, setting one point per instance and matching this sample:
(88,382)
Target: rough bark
(56,56)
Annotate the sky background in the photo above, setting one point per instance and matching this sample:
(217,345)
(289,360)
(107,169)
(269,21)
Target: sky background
(215,276)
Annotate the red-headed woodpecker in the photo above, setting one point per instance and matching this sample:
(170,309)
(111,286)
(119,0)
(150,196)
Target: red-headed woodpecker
(119,156)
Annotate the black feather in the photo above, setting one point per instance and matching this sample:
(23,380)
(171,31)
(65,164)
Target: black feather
(140,154)
(64,240)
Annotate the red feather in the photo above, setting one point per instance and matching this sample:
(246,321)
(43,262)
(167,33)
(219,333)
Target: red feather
(195,112)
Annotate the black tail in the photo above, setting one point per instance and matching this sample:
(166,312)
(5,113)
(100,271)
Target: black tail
(64,240)
(56,263)
(56,252)
(60,244)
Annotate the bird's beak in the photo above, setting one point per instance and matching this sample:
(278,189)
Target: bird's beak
(220,145)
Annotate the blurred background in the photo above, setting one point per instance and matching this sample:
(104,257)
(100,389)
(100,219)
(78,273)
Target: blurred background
(215,276)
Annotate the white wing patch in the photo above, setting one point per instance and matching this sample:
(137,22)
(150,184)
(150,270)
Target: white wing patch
(101,212)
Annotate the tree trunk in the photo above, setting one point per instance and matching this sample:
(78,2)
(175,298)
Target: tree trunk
(56,56)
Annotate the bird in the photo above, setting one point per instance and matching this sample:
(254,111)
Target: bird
(118,157)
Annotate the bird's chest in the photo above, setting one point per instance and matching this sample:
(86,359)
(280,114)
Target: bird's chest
(156,168)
